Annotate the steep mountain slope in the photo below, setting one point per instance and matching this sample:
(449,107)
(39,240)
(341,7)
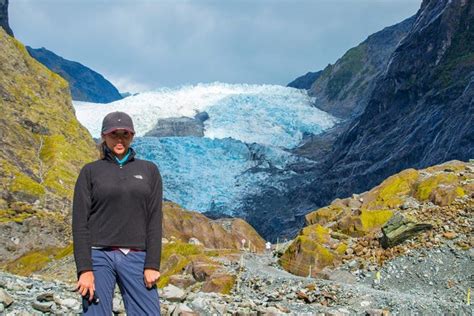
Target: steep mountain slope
(42,147)
(343,89)
(85,83)
(422,110)
(420,113)
(305,81)
(4,17)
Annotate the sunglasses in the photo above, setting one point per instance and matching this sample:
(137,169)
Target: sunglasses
(123,135)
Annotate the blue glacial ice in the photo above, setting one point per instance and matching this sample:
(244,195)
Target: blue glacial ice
(243,144)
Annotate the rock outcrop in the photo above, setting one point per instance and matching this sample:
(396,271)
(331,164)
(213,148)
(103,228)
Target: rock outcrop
(86,84)
(401,207)
(179,126)
(343,89)
(4,17)
(219,234)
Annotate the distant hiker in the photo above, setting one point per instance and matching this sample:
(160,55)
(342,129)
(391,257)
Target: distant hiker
(117,224)
(243,243)
(268,246)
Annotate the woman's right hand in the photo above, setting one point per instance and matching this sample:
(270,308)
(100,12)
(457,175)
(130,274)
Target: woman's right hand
(86,284)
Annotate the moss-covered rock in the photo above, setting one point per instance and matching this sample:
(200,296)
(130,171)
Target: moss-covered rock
(43,146)
(306,256)
(219,283)
(324,215)
(331,229)
(36,260)
(220,234)
(392,192)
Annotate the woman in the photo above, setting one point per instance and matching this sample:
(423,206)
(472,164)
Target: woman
(117,224)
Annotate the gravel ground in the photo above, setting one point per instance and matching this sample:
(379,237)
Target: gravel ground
(421,282)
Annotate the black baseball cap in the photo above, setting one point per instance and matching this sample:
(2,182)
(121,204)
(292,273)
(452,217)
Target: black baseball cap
(117,120)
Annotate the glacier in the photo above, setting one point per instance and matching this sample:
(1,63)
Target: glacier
(265,114)
(245,145)
(204,174)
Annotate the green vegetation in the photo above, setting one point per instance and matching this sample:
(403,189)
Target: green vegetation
(425,187)
(350,64)
(371,219)
(23,183)
(391,192)
(36,260)
(184,253)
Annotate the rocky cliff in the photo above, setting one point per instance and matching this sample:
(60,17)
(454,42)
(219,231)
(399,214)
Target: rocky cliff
(343,89)
(4,17)
(420,113)
(86,84)
(42,148)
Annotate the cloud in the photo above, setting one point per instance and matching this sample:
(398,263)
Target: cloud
(169,43)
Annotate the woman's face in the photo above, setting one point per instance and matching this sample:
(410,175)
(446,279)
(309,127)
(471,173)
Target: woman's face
(118,141)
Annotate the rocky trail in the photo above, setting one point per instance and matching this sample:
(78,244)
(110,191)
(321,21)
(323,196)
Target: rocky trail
(426,281)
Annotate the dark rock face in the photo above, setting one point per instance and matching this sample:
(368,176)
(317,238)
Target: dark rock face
(422,110)
(420,113)
(177,126)
(85,84)
(343,89)
(4,17)
(305,81)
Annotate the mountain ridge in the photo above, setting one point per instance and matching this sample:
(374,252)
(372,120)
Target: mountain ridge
(407,123)
(86,84)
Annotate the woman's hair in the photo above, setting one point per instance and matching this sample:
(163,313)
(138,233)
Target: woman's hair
(101,148)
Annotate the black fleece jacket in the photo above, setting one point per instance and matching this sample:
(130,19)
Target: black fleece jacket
(118,206)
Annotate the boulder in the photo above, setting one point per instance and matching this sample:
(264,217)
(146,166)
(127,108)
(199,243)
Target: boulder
(219,282)
(182,280)
(399,229)
(173,293)
(5,298)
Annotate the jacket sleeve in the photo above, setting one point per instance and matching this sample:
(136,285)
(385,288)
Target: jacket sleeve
(81,208)
(155,221)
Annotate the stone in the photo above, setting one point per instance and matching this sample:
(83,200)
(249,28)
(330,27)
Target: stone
(45,307)
(69,303)
(201,271)
(270,311)
(194,241)
(173,293)
(377,312)
(117,306)
(399,229)
(5,298)
(2,308)
(45,297)
(182,310)
(449,235)
(219,283)
(182,280)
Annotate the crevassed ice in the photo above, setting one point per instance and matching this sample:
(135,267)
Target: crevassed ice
(265,114)
(204,174)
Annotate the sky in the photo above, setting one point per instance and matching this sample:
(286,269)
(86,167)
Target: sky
(142,45)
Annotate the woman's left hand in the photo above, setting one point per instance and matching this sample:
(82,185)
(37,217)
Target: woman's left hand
(150,277)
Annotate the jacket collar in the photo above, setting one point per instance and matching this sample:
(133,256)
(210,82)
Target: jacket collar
(110,156)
